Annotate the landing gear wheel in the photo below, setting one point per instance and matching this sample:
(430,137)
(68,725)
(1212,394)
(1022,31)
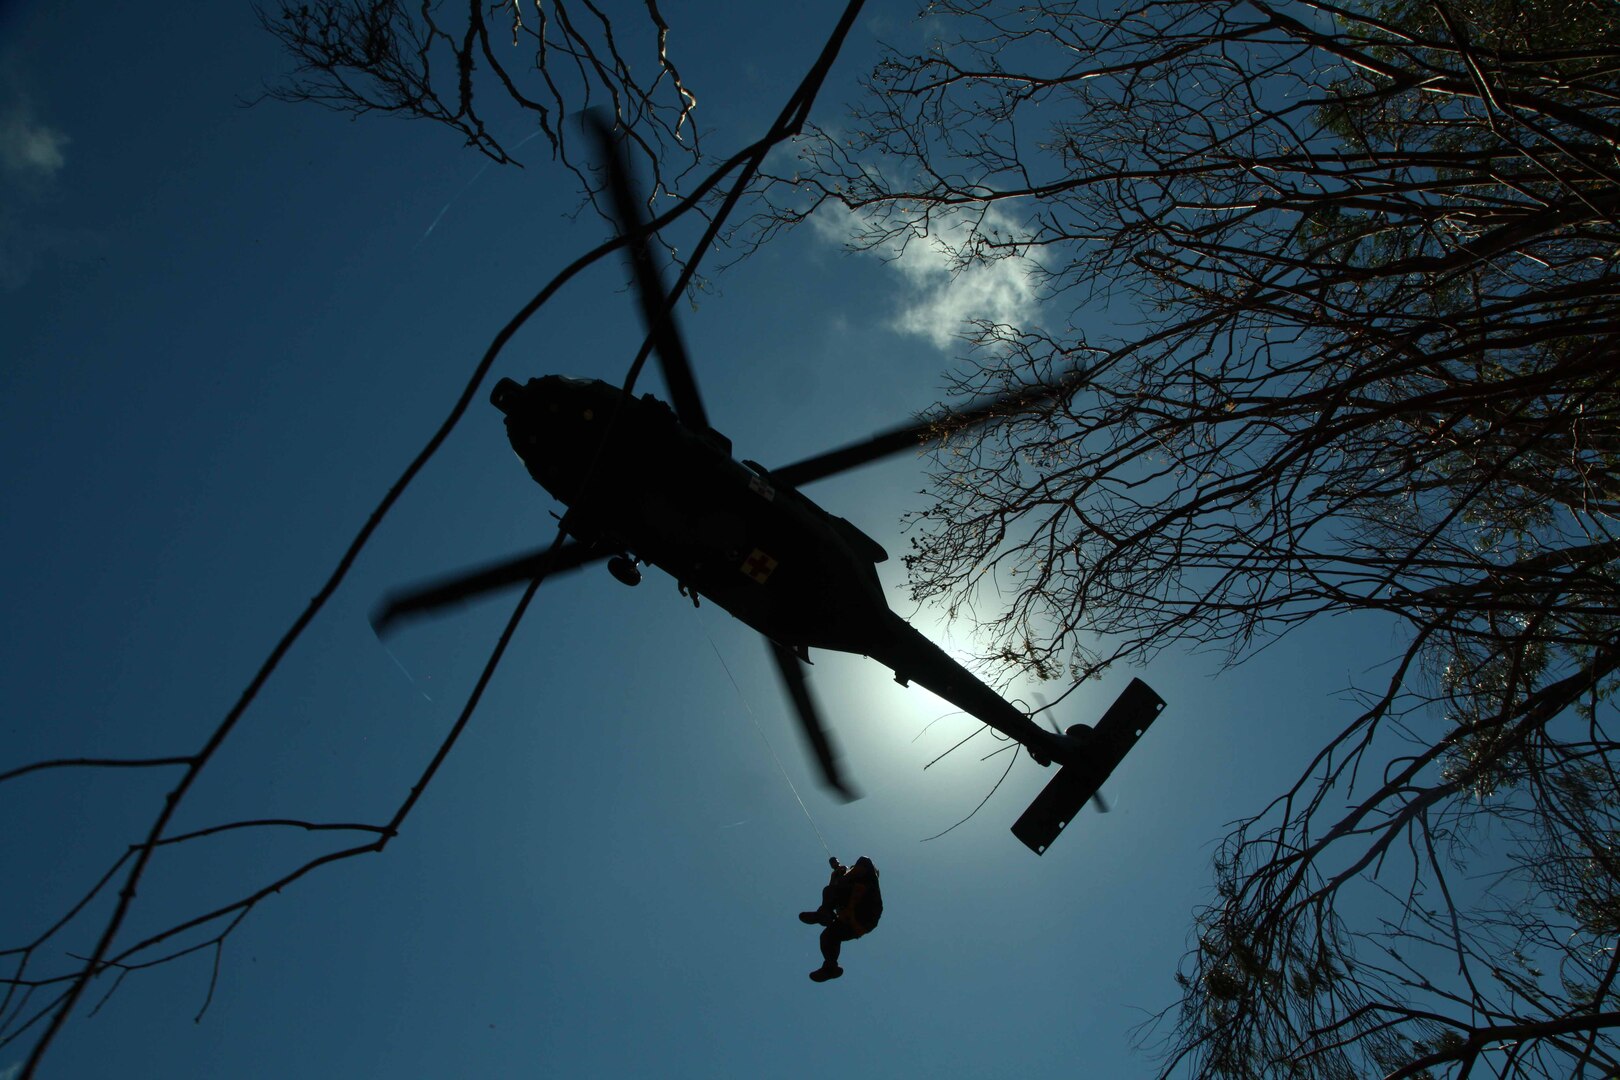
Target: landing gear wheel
(625,570)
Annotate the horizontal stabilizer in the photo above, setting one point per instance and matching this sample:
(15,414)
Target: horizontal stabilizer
(1106,746)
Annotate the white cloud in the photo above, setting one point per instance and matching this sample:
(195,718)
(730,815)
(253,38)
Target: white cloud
(939,298)
(31,155)
(29,148)
(943,301)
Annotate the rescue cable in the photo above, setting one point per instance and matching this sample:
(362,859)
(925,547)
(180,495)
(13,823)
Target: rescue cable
(763,737)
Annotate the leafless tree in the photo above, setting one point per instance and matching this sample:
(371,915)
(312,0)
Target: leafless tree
(1363,255)
(1357,266)
(468,66)
(361,56)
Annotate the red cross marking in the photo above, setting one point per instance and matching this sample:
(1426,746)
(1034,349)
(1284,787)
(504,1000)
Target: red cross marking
(759,566)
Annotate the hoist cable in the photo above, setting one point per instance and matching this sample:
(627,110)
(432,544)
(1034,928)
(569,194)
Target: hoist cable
(765,738)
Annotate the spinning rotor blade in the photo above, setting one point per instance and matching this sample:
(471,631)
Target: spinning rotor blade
(471,584)
(908,437)
(1097,799)
(667,345)
(792,671)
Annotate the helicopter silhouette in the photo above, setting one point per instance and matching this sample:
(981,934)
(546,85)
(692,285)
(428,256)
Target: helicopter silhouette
(747,539)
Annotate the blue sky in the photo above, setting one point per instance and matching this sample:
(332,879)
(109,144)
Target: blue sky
(225,332)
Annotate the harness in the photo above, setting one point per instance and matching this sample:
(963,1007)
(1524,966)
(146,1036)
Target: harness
(863,909)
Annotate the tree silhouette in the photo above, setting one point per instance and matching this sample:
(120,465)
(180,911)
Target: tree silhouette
(1358,264)
(444,64)
(366,65)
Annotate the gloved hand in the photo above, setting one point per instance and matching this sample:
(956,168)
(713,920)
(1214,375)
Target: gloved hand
(833,862)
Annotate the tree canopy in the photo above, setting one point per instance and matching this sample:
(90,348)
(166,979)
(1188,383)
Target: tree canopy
(1329,327)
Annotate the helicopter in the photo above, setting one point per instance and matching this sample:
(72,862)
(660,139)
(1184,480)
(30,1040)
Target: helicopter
(745,537)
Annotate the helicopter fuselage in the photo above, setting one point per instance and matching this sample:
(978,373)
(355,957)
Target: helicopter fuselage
(639,482)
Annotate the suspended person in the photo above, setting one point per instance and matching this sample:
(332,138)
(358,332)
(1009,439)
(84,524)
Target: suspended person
(850,907)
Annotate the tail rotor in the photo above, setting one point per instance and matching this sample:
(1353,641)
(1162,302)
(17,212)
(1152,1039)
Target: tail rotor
(1096,800)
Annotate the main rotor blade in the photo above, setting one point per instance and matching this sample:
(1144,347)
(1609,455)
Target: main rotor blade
(471,584)
(907,437)
(815,733)
(655,303)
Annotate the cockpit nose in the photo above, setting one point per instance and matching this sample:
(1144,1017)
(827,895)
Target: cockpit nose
(505,396)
